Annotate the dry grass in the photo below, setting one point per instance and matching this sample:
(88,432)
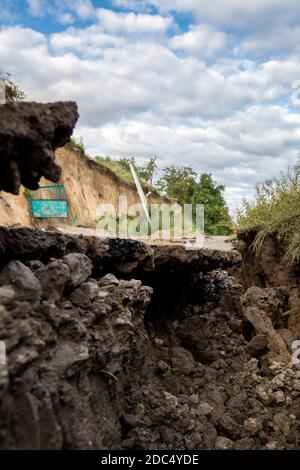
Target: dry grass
(275,211)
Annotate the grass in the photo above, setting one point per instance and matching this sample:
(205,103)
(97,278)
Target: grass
(77,144)
(119,166)
(275,211)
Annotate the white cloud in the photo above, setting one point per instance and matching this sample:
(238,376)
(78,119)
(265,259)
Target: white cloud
(84,8)
(257,14)
(62,10)
(239,151)
(201,40)
(90,42)
(199,97)
(132,23)
(140,5)
(66,18)
(36,7)
(281,41)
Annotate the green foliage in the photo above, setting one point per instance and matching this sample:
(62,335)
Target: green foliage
(217,220)
(275,211)
(121,167)
(13,92)
(179,183)
(78,144)
(184,184)
(146,172)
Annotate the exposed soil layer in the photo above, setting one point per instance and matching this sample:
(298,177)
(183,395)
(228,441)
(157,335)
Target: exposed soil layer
(271,269)
(29,135)
(115,344)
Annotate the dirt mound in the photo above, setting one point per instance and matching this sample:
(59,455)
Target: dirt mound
(114,344)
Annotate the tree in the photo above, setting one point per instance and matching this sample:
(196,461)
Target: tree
(217,220)
(185,185)
(179,183)
(12,91)
(147,171)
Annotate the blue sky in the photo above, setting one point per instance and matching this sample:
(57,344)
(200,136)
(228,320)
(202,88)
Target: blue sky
(202,83)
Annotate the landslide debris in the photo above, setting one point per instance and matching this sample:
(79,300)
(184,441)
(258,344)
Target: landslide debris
(29,135)
(112,344)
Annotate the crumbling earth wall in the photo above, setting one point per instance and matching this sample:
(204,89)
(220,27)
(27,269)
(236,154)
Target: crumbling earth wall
(29,135)
(112,344)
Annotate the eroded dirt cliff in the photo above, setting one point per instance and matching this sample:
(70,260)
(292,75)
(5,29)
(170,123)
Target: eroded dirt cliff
(115,344)
(271,269)
(87,184)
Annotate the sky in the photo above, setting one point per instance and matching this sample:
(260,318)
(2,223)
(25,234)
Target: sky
(211,84)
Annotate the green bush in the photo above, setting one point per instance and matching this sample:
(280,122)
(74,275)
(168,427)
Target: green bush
(120,166)
(275,211)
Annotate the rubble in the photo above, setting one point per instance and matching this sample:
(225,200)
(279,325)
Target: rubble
(128,354)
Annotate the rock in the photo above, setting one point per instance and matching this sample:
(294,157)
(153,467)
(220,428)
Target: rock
(204,408)
(223,443)
(34,265)
(128,443)
(108,280)
(140,410)
(236,325)
(171,400)
(53,278)
(279,379)
(229,426)
(253,425)
(68,355)
(131,421)
(128,255)
(296,385)
(262,394)
(21,277)
(246,443)
(272,445)
(275,366)
(279,396)
(162,366)
(288,337)
(166,434)
(80,267)
(257,345)
(283,422)
(258,305)
(7,294)
(182,360)
(29,135)
(252,365)
(84,294)
(194,399)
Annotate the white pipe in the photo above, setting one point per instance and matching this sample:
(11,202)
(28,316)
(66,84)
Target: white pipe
(140,192)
